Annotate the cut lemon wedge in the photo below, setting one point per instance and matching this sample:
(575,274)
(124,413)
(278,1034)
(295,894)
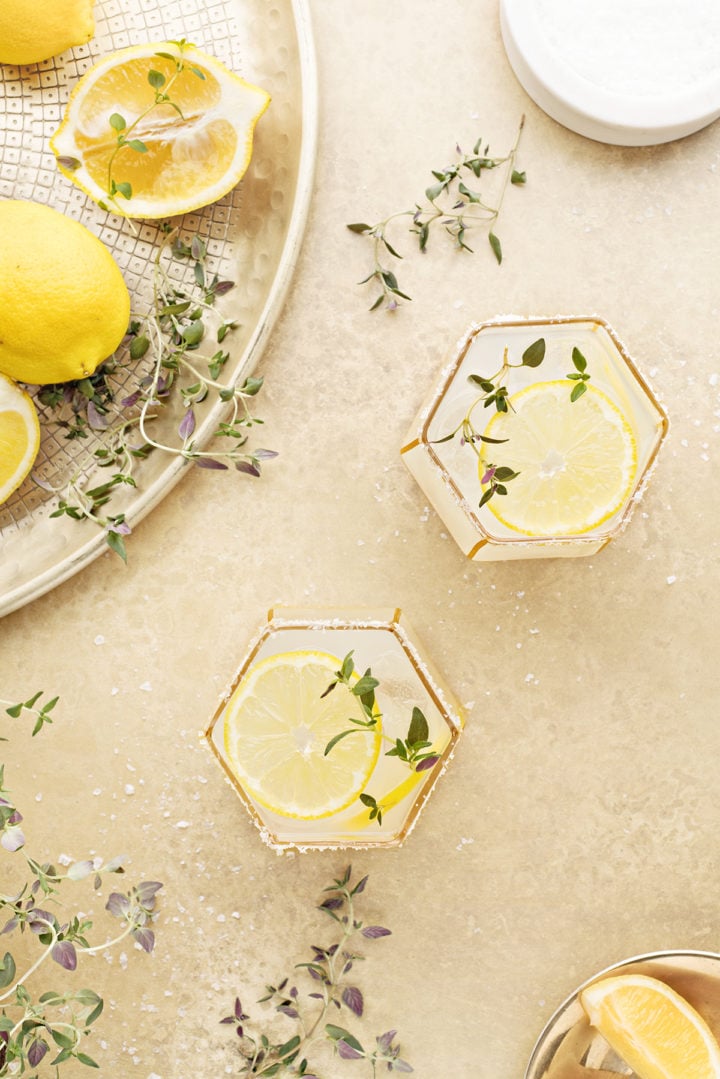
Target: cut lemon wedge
(157,130)
(576,460)
(655,1031)
(19,436)
(277,725)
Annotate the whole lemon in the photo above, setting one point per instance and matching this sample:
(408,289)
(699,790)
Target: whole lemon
(65,306)
(31,31)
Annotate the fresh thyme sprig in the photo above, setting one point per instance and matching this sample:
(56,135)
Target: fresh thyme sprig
(171,339)
(51,1024)
(264,1055)
(449,203)
(494,391)
(415,750)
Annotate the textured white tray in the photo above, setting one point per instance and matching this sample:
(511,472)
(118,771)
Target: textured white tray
(630,73)
(253,235)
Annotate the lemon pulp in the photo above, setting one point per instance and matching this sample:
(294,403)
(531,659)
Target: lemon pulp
(277,725)
(655,1030)
(195,149)
(19,436)
(576,461)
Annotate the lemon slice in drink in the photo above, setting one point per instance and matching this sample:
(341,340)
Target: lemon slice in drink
(653,1028)
(185,122)
(277,725)
(19,436)
(576,460)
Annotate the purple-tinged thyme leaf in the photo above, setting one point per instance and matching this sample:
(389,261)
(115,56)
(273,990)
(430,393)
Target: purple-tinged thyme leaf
(12,839)
(353,999)
(426,763)
(346,1051)
(373,932)
(145,938)
(118,905)
(36,1051)
(64,954)
(210,462)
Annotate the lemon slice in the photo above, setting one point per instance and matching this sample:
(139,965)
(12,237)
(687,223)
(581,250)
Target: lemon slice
(19,436)
(277,725)
(178,154)
(655,1031)
(576,460)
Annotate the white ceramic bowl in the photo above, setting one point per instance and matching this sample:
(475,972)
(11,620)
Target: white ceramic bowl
(622,71)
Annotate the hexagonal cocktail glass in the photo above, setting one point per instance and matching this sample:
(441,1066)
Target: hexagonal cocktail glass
(448,470)
(381,642)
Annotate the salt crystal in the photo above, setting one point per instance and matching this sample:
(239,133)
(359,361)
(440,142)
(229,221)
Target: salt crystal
(147,687)
(182,824)
(671,579)
(129,789)
(99,639)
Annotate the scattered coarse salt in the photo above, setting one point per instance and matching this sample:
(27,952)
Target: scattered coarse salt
(146,687)
(671,579)
(99,639)
(129,789)
(182,824)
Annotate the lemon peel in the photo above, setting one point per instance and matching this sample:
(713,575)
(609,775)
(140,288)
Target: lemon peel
(65,304)
(31,31)
(176,155)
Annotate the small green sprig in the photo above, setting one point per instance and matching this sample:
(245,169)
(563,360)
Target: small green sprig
(450,204)
(168,349)
(415,750)
(41,713)
(331,991)
(161,88)
(580,375)
(494,392)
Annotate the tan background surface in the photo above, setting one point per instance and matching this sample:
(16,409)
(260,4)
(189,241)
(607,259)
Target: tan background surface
(578,823)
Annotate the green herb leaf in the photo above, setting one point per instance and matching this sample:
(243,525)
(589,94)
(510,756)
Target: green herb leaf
(418,730)
(495,244)
(534,354)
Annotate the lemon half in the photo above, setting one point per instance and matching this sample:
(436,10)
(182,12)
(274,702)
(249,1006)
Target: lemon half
(31,31)
(178,154)
(576,461)
(653,1028)
(19,436)
(277,725)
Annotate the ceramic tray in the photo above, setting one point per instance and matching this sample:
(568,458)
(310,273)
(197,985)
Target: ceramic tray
(252,236)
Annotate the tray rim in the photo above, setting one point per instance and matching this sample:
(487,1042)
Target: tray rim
(84,554)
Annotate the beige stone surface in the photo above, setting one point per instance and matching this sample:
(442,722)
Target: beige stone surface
(578,823)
